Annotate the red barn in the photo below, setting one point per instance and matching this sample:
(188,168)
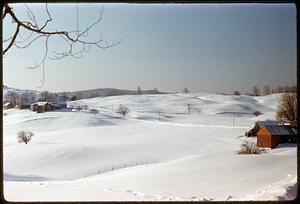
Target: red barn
(272,135)
(258,125)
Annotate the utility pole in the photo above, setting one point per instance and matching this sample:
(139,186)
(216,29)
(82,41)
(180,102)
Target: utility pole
(233,120)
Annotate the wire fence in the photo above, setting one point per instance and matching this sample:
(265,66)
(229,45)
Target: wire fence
(120,166)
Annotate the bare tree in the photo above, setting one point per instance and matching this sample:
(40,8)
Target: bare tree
(185,90)
(237,93)
(94,111)
(123,110)
(12,98)
(76,41)
(290,89)
(285,89)
(46,96)
(24,136)
(23,99)
(257,113)
(266,90)
(280,89)
(139,90)
(293,89)
(256,91)
(287,109)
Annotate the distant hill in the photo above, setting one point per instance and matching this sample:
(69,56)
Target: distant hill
(61,97)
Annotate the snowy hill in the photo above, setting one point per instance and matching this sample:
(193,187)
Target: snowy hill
(83,94)
(109,92)
(157,152)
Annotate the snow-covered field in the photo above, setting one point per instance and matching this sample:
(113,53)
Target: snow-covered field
(157,152)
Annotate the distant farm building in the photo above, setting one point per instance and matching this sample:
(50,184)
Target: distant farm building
(258,125)
(272,135)
(7,106)
(42,106)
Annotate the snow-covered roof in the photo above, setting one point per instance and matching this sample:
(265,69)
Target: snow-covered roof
(6,104)
(41,103)
(281,130)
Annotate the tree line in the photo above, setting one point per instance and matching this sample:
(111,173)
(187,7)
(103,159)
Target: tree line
(266,90)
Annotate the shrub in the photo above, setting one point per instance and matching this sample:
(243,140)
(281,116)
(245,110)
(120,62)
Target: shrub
(185,90)
(78,108)
(248,147)
(94,111)
(257,113)
(123,110)
(24,136)
(84,107)
(237,93)
(256,91)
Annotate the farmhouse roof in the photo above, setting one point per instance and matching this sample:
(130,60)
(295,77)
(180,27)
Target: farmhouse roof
(42,103)
(262,124)
(281,130)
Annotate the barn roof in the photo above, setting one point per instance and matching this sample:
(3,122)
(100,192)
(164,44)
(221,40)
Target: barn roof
(281,130)
(262,124)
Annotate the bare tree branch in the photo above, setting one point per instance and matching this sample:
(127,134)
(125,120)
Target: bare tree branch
(8,39)
(45,55)
(49,18)
(12,40)
(76,40)
(24,39)
(43,78)
(31,15)
(34,28)
(28,43)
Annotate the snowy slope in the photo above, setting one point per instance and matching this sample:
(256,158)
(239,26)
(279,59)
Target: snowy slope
(157,152)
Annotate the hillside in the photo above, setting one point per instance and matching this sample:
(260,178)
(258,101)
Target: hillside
(157,152)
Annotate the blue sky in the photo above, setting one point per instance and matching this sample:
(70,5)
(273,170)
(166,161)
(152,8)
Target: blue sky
(204,47)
